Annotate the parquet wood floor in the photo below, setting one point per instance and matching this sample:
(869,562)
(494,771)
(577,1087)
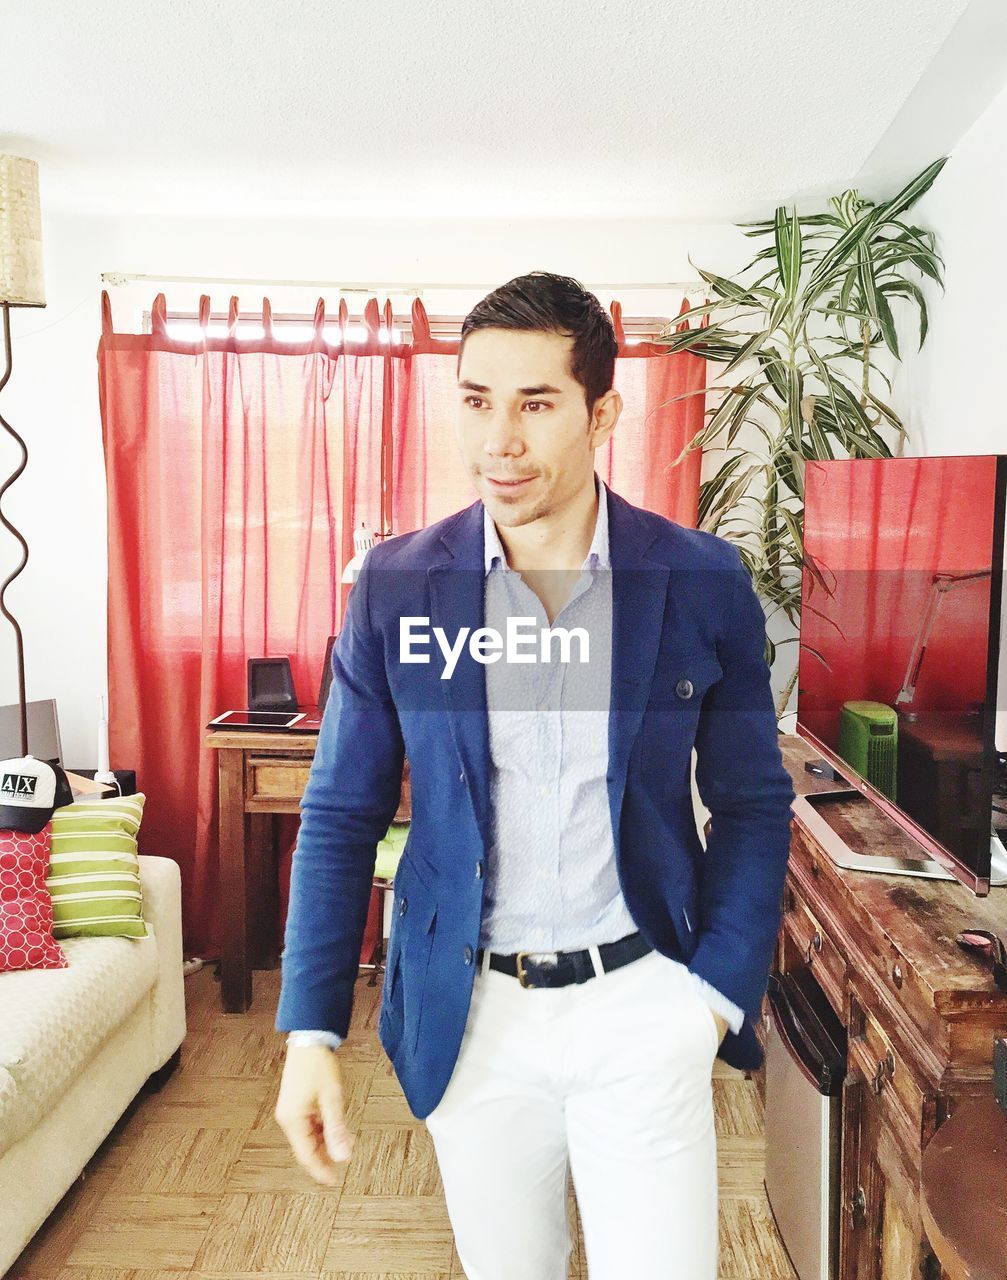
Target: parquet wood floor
(196,1182)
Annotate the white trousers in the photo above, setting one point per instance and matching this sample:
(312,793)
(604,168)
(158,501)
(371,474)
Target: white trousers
(609,1080)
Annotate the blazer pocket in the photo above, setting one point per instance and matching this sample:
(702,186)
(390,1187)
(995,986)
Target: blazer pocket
(683,682)
(415,918)
(390,1020)
(671,716)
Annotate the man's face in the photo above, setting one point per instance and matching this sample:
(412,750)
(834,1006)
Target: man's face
(522,417)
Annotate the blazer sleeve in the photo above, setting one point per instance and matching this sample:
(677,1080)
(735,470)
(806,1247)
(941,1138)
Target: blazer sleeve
(743,782)
(349,800)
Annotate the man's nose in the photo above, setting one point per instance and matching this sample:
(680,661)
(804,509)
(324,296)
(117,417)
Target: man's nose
(501,435)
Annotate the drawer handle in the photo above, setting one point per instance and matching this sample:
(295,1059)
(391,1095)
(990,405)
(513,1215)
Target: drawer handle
(815,944)
(897,974)
(879,1076)
(859,1207)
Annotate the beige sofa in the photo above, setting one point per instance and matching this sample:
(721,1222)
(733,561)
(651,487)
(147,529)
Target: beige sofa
(77,1045)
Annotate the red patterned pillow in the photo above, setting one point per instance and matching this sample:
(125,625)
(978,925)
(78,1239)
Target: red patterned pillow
(26,940)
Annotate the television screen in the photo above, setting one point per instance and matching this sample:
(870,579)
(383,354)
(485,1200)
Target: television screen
(899,644)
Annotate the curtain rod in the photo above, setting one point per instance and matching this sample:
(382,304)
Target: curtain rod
(125,277)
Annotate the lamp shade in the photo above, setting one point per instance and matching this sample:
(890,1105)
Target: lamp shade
(21,282)
(363,540)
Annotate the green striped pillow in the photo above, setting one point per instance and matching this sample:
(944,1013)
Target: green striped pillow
(94,870)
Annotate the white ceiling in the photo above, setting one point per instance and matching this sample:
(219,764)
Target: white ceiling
(715,109)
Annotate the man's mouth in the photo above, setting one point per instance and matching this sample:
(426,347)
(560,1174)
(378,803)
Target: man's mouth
(508,486)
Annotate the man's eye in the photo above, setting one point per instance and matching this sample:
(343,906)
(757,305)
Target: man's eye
(543,403)
(469,399)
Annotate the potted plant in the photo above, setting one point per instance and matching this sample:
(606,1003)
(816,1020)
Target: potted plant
(803,324)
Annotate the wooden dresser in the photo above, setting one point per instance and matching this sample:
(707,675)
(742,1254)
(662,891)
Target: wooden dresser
(920,1015)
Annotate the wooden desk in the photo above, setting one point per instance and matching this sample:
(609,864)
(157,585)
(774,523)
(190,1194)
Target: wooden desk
(920,1015)
(260,775)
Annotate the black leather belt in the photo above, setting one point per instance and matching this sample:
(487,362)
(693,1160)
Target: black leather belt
(569,966)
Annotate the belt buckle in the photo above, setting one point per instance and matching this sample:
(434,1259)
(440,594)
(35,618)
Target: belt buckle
(521,974)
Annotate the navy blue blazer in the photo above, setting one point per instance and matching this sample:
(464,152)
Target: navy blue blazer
(684,610)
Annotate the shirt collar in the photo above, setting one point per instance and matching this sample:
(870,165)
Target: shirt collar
(597,556)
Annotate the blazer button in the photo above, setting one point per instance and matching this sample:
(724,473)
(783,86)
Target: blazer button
(479,869)
(461,776)
(468,954)
(684,688)
(402,907)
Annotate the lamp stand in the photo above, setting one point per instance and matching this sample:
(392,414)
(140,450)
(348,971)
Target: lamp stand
(7,524)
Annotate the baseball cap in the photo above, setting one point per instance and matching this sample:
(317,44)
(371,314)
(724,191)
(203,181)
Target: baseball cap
(30,790)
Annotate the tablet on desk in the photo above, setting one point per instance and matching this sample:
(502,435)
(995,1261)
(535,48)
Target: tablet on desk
(257,720)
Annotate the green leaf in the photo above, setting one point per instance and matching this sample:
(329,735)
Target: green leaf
(749,349)
(862,436)
(740,415)
(781,235)
(711,340)
(839,254)
(825,375)
(794,527)
(865,274)
(887,324)
(710,491)
(894,255)
(793,274)
(912,191)
(737,293)
(773,367)
(907,289)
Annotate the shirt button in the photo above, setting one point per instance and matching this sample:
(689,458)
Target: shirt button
(479,869)
(684,688)
(468,954)
(402,907)
(461,776)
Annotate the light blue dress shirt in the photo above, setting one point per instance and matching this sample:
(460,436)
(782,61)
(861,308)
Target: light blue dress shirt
(551,878)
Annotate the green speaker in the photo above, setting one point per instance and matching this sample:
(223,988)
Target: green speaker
(868,740)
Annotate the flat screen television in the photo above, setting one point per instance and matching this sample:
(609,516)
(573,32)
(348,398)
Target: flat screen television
(900,660)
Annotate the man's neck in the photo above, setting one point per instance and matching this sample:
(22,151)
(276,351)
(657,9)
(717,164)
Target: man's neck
(559,541)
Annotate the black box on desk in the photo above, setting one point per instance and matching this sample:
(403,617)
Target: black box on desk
(126,779)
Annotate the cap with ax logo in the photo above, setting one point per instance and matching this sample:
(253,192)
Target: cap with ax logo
(30,790)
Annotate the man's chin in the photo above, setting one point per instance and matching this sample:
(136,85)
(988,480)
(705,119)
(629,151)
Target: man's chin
(507,506)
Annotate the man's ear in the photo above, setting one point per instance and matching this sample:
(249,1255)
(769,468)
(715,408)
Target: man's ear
(605,416)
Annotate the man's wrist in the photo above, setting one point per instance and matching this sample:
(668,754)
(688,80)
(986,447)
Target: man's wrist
(327,1039)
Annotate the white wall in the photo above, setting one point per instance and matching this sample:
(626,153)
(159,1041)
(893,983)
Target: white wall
(950,394)
(52,399)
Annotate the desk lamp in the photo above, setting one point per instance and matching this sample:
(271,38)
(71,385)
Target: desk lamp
(363,540)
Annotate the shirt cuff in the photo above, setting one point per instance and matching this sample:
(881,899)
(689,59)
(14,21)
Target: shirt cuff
(717,1000)
(330,1038)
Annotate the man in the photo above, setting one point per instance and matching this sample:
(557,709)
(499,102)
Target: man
(566,960)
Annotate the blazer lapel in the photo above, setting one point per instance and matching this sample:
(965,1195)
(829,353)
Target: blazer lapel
(639,591)
(457,599)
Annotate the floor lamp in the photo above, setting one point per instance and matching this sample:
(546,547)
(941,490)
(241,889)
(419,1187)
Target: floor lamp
(20,286)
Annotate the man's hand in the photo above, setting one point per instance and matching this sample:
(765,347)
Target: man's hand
(722,1024)
(309,1110)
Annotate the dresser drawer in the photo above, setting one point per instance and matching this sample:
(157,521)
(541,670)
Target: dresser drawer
(871,1052)
(818,951)
(276,777)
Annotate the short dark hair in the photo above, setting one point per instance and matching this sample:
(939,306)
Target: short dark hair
(543,301)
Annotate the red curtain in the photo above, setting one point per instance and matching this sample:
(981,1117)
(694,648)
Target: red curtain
(237,469)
